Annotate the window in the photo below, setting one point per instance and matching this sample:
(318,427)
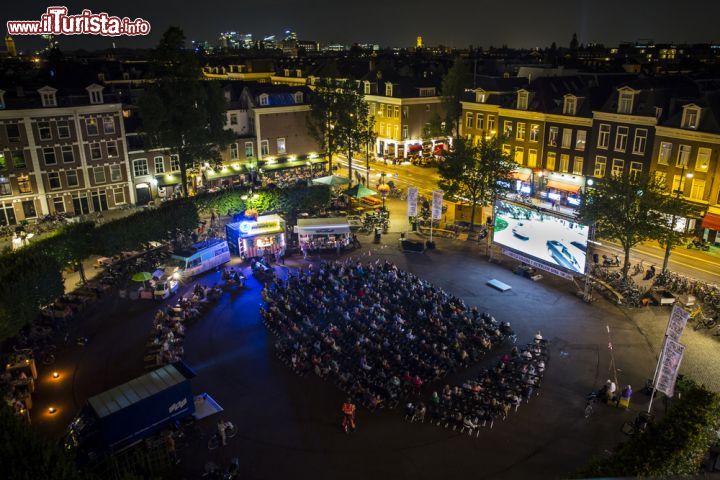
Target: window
(396,129)
(491,123)
(532,158)
(625,102)
(580,140)
(664,154)
(480,97)
(697,190)
(507,128)
(640,141)
(49,156)
(618,166)
(264,100)
(18,159)
(249,150)
(604,136)
(281,146)
(298,97)
(679,184)
(80,204)
(551,158)
(564,162)
(115,173)
(63,129)
(570,105)
(71,177)
(468,120)
(91,126)
(233,151)
(479,121)
(690,118)
(140,167)
(99,174)
(534,133)
(397,111)
(427,92)
(29,209)
(48,99)
(406,113)
(519,155)
(506,149)
(95,151)
(44,131)
(566,137)
(621,139)
(59,205)
(174,163)
(522,100)
(13,132)
(54,180)
(658,112)
(366,88)
(5,188)
(3,162)
(7,214)
(578,166)
(264,147)
(233,119)
(159,163)
(24,184)
(661,178)
(381,129)
(683,158)
(520,134)
(703,159)
(600,163)
(99,200)
(119,196)
(635,170)
(552,136)
(67,154)
(108,125)
(96,96)
(388,90)
(404,132)
(112,149)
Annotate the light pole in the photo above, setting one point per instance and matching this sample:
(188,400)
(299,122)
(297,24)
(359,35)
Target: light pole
(383,189)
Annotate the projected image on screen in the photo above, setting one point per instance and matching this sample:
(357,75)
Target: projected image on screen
(555,240)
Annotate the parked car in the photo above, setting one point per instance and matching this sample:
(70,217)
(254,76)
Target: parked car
(562,255)
(165,288)
(520,230)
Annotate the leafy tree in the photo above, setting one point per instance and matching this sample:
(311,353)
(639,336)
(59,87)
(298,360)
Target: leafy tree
(326,111)
(624,208)
(452,92)
(180,112)
(28,456)
(674,207)
(476,174)
(354,128)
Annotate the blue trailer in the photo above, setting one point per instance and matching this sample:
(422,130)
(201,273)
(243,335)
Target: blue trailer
(133,411)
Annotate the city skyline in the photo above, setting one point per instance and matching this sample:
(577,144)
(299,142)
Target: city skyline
(398,25)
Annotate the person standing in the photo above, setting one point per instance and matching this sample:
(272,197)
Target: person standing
(221,427)
(348,410)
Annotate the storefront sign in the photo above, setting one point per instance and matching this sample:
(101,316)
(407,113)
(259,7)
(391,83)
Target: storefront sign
(255,228)
(412,199)
(437,198)
(677,322)
(536,264)
(669,366)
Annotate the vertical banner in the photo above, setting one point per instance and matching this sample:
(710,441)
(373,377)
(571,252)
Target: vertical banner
(412,199)
(677,322)
(669,366)
(437,198)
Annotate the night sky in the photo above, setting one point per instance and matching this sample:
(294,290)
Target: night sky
(457,23)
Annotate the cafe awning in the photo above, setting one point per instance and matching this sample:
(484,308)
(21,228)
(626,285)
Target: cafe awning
(563,186)
(711,221)
(168,180)
(222,172)
(323,226)
(523,177)
(279,165)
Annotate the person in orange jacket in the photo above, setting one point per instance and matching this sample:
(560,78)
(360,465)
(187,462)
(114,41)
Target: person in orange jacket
(348,410)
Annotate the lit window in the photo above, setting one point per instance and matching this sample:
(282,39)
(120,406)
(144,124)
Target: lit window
(570,105)
(625,102)
(683,158)
(564,162)
(532,158)
(119,196)
(249,150)
(519,155)
(635,170)
(664,153)
(618,166)
(522,100)
(578,166)
(697,190)
(640,141)
(520,134)
(534,133)
(551,159)
(108,125)
(281,146)
(702,162)
(552,136)
(566,137)
(604,136)
(691,117)
(600,163)
(91,126)
(580,140)
(621,139)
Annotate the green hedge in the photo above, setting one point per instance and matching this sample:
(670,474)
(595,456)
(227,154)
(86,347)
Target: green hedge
(674,445)
(286,200)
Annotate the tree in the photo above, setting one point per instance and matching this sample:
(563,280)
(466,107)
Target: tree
(326,110)
(674,207)
(476,174)
(354,128)
(624,208)
(180,112)
(452,92)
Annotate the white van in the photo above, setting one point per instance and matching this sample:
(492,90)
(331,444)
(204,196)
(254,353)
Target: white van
(201,257)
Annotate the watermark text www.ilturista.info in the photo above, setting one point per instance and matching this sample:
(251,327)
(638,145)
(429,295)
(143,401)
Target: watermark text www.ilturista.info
(56,21)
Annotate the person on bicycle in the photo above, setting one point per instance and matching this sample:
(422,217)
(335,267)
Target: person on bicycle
(348,410)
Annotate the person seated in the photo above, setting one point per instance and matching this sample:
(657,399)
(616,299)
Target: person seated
(470,423)
(538,337)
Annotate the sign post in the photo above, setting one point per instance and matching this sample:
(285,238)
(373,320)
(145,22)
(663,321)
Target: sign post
(437,198)
(412,198)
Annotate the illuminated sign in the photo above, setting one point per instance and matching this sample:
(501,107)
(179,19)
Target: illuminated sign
(248,228)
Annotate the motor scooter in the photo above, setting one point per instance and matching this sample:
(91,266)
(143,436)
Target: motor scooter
(699,245)
(613,261)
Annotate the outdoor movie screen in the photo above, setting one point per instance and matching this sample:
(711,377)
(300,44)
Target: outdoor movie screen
(552,239)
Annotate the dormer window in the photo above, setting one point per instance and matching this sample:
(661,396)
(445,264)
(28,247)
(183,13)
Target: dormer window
(2,99)
(366,87)
(388,89)
(96,95)
(298,72)
(48,96)
(522,100)
(625,101)
(427,91)
(481,96)
(570,105)
(264,99)
(126,76)
(298,97)
(690,117)
(287,72)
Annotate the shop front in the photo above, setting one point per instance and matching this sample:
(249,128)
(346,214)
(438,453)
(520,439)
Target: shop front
(255,238)
(168,185)
(323,234)
(562,190)
(522,181)
(227,176)
(711,226)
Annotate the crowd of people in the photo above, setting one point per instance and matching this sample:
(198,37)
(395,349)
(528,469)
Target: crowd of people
(378,332)
(170,323)
(17,384)
(492,394)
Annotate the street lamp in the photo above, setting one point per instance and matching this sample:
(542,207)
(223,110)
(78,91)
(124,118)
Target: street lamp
(383,190)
